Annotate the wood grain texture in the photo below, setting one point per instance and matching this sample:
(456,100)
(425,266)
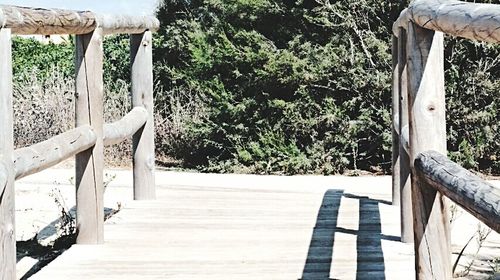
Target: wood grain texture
(48,153)
(141,54)
(24,20)
(401,22)
(120,130)
(396,197)
(475,195)
(7,200)
(248,230)
(425,68)
(90,163)
(469,20)
(404,159)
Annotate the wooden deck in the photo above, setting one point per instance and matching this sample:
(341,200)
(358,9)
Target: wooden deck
(248,227)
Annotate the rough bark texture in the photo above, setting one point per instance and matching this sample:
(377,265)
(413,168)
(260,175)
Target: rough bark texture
(141,53)
(475,195)
(7,205)
(396,197)
(469,20)
(120,130)
(90,163)
(425,67)
(48,153)
(404,159)
(23,20)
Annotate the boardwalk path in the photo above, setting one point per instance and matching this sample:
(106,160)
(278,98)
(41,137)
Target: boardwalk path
(248,227)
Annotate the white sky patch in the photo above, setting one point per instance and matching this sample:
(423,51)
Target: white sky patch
(143,7)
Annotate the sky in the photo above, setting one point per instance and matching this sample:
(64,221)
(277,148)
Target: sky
(140,7)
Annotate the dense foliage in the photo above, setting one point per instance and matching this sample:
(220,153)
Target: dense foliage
(274,86)
(304,86)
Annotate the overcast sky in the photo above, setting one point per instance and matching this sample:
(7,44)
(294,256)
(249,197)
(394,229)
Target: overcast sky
(138,7)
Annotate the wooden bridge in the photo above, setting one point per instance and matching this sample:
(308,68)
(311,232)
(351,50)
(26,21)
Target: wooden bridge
(250,233)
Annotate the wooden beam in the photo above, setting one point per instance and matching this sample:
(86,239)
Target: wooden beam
(406,211)
(425,69)
(469,20)
(7,201)
(35,158)
(120,130)
(475,195)
(90,163)
(141,53)
(24,20)
(396,197)
(401,22)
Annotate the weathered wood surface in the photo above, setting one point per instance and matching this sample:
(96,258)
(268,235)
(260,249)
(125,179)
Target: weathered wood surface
(7,200)
(90,163)
(425,67)
(468,20)
(396,197)
(141,55)
(249,227)
(475,195)
(401,22)
(404,150)
(120,130)
(24,20)
(48,153)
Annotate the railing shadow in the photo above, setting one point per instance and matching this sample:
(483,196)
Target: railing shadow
(370,256)
(44,254)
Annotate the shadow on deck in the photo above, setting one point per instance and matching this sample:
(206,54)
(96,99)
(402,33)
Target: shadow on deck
(370,257)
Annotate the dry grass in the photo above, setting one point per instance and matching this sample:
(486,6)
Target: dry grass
(43,109)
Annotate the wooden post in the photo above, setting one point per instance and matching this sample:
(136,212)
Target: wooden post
(90,163)
(425,67)
(141,54)
(396,131)
(7,193)
(404,160)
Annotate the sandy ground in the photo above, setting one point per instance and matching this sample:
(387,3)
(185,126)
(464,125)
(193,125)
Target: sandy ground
(37,212)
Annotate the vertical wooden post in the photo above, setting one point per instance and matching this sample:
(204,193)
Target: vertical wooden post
(90,163)
(7,193)
(404,160)
(141,54)
(425,66)
(396,197)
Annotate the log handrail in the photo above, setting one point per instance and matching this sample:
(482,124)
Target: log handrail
(419,130)
(86,141)
(476,21)
(40,156)
(474,194)
(125,127)
(31,21)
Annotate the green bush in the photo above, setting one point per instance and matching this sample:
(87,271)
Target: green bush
(291,87)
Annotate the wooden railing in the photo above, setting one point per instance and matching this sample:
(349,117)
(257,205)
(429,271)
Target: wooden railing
(87,140)
(423,176)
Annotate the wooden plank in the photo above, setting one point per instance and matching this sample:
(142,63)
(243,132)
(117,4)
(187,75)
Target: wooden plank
(90,163)
(7,201)
(246,233)
(141,54)
(475,195)
(25,20)
(469,20)
(404,160)
(396,196)
(425,66)
(35,158)
(120,130)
